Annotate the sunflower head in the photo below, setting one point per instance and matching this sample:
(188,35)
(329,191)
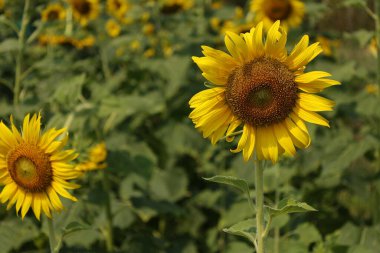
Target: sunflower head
(262,90)
(53,12)
(97,156)
(118,8)
(290,12)
(85,10)
(174,6)
(34,167)
(113,28)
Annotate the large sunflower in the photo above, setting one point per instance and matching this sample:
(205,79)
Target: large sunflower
(85,10)
(34,168)
(262,89)
(118,8)
(290,12)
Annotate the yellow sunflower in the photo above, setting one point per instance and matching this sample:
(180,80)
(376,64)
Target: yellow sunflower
(113,28)
(118,8)
(174,6)
(85,10)
(53,12)
(96,158)
(262,89)
(289,12)
(2,3)
(34,168)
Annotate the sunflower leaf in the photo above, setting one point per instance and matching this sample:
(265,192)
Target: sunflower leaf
(289,206)
(246,229)
(238,183)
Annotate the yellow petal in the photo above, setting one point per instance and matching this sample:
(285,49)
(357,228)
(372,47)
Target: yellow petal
(311,117)
(284,138)
(250,144)
(8,191)
(314,103)
(236,46)
(243,139)
(269,144)
(311,76)
(26,205)
(36,206)
(302,138)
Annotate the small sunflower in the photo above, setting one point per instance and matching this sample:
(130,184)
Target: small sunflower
(113,28)
(53,12)
(2,3)
(85,10)
(262,89)
(96,159)
(118,8)
(34,168)
(174,6)
(289,12)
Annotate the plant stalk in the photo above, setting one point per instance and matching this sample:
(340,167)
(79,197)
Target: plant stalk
(20,53)
(52,237)
(259,178)
(108,231)
(377,20)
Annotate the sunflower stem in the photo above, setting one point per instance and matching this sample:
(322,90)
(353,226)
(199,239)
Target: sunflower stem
(69,21)
(20,53)
(277,200)
(259,178)
(377,20)
(108,231)
(52,237)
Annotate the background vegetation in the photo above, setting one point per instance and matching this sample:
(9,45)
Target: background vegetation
(132,91)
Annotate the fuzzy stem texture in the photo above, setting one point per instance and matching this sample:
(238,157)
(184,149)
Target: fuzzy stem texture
(259,178)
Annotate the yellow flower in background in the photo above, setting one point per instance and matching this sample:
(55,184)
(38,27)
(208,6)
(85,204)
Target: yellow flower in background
(175,6)
(262,89)
(87,41)
(372,89)
(85,10)
(53,12)
(34,168)
(2,3)
(328,45)
(113,28)
(97,156)
(236,28)
(372,47)
(149,53)
(148,29)
(135,45)
(118,8)
(289,12)
(216,5)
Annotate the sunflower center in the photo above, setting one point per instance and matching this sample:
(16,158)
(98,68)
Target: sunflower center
(278,9)
(53,15)
(30,167)
(261,92)
(83,7)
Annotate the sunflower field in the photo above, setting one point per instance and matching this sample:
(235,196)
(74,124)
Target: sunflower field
(186,126)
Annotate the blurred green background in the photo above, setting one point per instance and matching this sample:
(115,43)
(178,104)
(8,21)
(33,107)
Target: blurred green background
(128,81)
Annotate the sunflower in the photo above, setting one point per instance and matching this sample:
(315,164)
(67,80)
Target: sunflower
(263,90)
(173,6)
(2,3)
(113,28)
(118,8)
(85,10)
(53,12)
(290,12)
(34,168)
(96,158)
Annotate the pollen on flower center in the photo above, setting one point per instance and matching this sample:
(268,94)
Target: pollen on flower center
(30,167)
(278,10)
(261,92)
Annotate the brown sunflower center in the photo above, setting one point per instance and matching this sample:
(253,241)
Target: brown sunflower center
(171,9)
(278,9)
(82,6)
(261,92)
(30,167)
(53,15)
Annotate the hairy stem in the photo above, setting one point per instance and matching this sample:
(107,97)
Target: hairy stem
(259,177)
(52,237)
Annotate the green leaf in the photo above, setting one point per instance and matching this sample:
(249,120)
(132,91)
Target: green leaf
(73,227)
(238,183)
(244,229)
(289,206)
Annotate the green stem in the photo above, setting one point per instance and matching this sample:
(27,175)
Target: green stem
(259,178)
(52,237)
(377,20)
(19,59)
(108,231)
(69,21)
(277,200)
